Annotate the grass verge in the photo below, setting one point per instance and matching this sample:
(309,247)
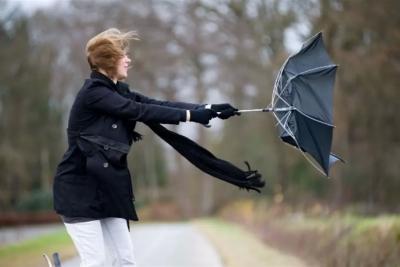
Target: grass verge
(29,253)
(238,247)
(326,238)
(346,241)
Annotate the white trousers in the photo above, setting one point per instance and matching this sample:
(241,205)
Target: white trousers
(103,243)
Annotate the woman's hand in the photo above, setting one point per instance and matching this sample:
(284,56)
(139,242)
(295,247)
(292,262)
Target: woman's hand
(224,110)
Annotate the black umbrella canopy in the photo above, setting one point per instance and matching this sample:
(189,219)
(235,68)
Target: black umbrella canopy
(302,102)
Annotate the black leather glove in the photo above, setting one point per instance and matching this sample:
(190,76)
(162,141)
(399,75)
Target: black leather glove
(225,110)
(202,115)
(221,107)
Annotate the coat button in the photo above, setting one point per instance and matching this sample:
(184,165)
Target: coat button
(114,126)
(105,164)
(106,147)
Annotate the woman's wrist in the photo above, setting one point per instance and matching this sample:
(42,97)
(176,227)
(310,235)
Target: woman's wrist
(187,115)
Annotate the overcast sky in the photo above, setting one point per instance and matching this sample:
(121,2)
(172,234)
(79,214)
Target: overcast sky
(292,41)
(31,5)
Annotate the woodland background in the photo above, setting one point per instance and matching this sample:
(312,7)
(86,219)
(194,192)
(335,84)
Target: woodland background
(207,52)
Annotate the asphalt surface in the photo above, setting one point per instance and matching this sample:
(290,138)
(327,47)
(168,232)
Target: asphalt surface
(16,234)
(168,245)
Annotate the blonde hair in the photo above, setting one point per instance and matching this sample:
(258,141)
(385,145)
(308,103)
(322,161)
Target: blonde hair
(106,48)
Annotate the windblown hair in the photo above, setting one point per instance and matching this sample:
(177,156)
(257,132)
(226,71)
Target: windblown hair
(106,48)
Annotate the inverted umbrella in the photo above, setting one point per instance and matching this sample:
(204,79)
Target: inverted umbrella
(302,103)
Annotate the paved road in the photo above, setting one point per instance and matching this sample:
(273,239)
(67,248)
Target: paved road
(169,245)
(12,235)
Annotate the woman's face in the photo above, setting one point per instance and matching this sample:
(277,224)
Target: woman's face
(122,68)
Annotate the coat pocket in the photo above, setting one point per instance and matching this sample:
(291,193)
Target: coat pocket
(116,182)
(114,157)
(74,193)
(113,152)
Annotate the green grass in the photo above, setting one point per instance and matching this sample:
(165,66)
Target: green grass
(29,253)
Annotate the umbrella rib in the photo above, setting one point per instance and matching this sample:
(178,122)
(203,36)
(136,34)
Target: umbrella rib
(284,88)
(279,76)
(279,88)
(277,81)
(297,144)
(310,71)
(284,101)
(295,76)
(314,119)
(275,93)
(285,117)
(288,131)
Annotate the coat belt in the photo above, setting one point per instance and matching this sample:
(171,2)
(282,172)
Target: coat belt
(100,140)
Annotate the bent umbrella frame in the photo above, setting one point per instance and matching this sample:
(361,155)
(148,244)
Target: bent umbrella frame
(302,103)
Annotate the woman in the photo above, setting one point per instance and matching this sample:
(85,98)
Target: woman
(92,187)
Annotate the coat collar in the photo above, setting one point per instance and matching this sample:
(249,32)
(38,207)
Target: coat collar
(119,86)
(100,76)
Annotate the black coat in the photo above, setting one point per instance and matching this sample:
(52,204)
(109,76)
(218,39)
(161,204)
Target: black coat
(92,179)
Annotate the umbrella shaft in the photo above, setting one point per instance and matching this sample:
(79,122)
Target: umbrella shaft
(266,110)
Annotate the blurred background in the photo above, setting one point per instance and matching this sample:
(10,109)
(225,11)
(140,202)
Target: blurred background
(206,51)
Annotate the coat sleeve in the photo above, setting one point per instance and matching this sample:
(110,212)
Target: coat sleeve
(107,101)
(183,105)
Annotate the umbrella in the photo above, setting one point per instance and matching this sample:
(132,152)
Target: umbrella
(302,103)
